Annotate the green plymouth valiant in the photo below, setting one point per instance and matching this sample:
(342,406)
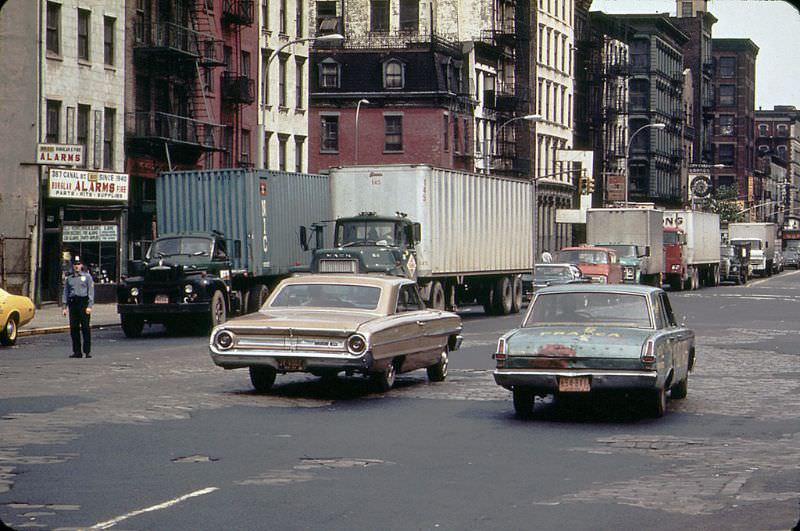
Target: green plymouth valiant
(580,339)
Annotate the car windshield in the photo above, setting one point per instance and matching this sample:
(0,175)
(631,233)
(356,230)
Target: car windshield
(191,246)
(671,238)
(368,232)
(754,244)
(553,273)
(627,251)
(580,256)
(726,251)
(590,308)
(327,296)
(793,245)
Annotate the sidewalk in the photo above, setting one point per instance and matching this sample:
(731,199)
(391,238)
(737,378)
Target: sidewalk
(48,319)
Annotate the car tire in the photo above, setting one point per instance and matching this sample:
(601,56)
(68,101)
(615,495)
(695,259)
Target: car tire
(132,326)
(385,379)
(262,378)
(503,296)
(516,288)
(438,372)
(437,301)
(524,399)
(218,313)
(8,336)
(256,296)
(656,402)
(680,389)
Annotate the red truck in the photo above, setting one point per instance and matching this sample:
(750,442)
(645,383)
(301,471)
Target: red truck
(598,264)
(691,249)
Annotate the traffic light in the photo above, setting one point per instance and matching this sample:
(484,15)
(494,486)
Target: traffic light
(589,185)
(582,184)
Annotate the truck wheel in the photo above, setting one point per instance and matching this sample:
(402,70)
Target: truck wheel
(516,288)
(437,301)
(256,297)
(132,326)
(262,378)
(218,313)
(716,278)
(438,372)
(8,336)
(503,296)
(523,401)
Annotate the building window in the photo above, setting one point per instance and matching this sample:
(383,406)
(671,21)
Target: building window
(83,34)
(82,130)
(267,139)
(326,17)
(727,94)
(329,74)
(54,28)
(726,154)
(456,136)
(299,19)
(282,82)
(265,55)
(379,15)
(446,128)
(53,125)
(409,15)
(781,152)
(393,133)
(393,75)
(782,129)
(299,90)
(109,122)
(282,17)
(763,130)
(686,9)
(466,136)
(227,145)
(244,59)
(108,40)
(727,66)
(330,133)
(727,125)
(283,140)
(265,15)
(299,144)
(244,157)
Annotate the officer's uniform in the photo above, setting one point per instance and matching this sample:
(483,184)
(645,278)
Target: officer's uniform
(79,295)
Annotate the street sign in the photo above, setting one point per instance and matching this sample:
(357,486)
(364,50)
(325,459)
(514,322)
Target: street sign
(615,188)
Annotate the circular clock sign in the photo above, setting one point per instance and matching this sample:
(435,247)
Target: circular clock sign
(701,186)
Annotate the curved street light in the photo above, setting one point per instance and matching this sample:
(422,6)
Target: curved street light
(323,38)
(527,118)
(358,108)
(628,154)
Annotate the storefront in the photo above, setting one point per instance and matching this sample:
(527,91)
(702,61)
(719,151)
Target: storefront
(84,215)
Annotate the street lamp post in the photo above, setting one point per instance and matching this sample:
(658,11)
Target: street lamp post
(628,154)
(261,126)
(358,108)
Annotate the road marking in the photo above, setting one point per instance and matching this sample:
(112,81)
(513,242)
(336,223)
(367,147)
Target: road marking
(165,505)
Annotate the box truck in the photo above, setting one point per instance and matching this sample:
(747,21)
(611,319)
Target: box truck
(225,238)
(636,235)
(691,249)
(761,237)
(464,237)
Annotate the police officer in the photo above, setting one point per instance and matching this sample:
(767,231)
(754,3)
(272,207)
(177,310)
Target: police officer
(78,299)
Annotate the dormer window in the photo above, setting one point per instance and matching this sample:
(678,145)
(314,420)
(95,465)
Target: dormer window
(393,74)
(329,73)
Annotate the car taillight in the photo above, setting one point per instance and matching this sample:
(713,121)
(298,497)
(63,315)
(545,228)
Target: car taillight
(500,355)
(649,353)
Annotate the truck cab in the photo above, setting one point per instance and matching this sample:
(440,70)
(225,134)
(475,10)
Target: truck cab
(598,264)
(368,243)
(183,276)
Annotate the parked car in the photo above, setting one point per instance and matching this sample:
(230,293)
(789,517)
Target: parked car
(550,275)
(15,311)
(791,257)
(598,264)
(584,339)
(324,324)
(734,264)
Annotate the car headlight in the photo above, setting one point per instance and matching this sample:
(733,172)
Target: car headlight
(188,288)
(134,292)
(356,344)
(223,340)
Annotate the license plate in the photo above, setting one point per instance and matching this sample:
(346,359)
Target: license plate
(576,384)
(291,364)
(162,299)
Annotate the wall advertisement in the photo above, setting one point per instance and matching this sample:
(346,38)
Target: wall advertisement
(92,185)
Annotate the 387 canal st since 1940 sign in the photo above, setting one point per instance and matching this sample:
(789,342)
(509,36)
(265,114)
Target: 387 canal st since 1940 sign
(92,185)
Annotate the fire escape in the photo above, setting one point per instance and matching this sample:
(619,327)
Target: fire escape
(237,86)
(172,117)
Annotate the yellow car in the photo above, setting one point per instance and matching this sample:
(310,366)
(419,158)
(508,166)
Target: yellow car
(15,311)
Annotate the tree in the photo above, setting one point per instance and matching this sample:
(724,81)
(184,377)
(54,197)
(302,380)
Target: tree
(724,203)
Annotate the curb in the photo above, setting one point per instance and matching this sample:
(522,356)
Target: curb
(56,329)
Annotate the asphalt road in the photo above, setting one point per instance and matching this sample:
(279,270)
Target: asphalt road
(150,435)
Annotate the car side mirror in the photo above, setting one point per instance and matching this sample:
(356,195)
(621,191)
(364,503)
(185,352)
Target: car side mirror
(417,232)
(646,251)
(303,238)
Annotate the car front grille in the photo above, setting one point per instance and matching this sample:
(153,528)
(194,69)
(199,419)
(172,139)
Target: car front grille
(338,266)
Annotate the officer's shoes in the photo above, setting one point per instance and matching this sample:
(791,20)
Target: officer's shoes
(87,355)
(75,356)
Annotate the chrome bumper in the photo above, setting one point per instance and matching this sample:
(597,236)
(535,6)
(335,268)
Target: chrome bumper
(237,359)
(599,379)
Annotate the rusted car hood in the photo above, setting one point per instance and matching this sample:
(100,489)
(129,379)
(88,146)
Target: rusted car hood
(313,319)
(577,341)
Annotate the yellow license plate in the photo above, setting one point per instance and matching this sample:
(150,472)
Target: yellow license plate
(291,364)
(162,299)
(573,384)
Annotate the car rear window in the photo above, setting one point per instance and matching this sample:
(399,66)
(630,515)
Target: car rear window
(327,296)
(590,308)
